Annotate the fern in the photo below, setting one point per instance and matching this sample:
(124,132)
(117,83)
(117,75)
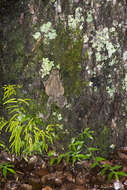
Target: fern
(25,134)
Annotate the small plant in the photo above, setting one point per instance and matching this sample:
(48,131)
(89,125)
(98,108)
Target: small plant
(75,149)
(6,167)
(75,154)
(111,171)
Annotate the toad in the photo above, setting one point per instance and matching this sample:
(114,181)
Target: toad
(55,90)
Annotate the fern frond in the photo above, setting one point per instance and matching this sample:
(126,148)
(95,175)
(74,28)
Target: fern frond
(24,101)
(13,100)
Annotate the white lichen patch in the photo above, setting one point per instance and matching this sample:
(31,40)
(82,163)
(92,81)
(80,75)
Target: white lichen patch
(46,67)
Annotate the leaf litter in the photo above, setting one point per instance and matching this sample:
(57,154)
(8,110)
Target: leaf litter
(35,173)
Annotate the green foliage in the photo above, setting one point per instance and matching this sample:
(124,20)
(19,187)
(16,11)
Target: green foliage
(2,123)
(110,171)
(3,146)
(8,91)
(7,167)
(67,53)
(75,154)
(75,149)
(113,171)
(27,133)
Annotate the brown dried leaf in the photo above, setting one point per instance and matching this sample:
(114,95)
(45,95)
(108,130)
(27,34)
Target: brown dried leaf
(84,164)
(26,187)
(122,155)
(47,188)
(58,181)
(106,162)
(79,187)
(42,171)
(124,169)
(123,149)
(68,176)
(72,187)
(44,179)
(80,179)
(34,180)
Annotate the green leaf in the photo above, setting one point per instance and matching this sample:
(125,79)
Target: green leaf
(14,110)
(94,165)
(11,170)
(13,100)
(52,160)
(103,171)
(116,167)
(99,159)
(116,176)
(121,173)
(24,101)
(92,149)
(5,172)
(60,158)
(84,156)
(14,117)
(68,157)
(110,176)
(86,131)
(73,160)
(12,106)
(1,166)
(9,165)
(106,166)
(51,153)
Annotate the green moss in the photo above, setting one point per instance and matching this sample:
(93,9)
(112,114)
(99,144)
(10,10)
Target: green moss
(68,54)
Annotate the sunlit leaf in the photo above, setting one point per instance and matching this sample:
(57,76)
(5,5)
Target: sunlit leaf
(51,153)
(11,170)
(92,149)
(103,171)
(110,175)
(99,159)
(60,158)
(116,167)
(121,173)
(84,156)
(52,160)
(94,165)
(5,172)
(13,100)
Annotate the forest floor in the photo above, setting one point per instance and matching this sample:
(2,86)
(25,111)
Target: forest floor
(35,173)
